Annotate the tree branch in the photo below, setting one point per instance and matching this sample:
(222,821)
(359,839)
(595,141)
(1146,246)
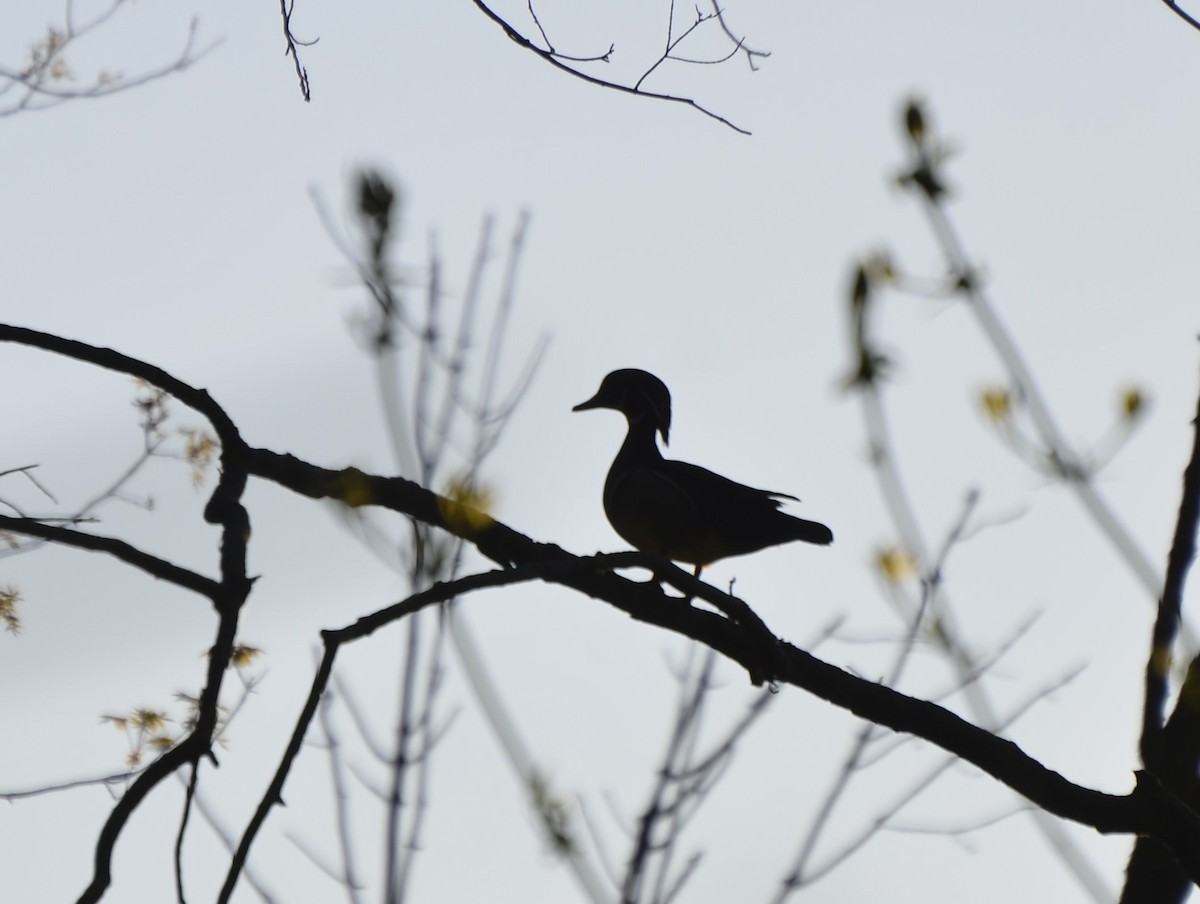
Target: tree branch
(1166,624)
(119,549)
(1186,17)
(1149,810)
(225,509)
(1170,751)
(556,61)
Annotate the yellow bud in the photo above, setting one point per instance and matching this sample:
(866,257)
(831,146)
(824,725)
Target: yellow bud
(1133,402)
(10,598)
(914,120)
(896,565)
(244,655)
(996,404)
(464,507)
(150,720)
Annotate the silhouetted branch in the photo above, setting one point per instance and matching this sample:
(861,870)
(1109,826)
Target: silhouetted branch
(1148,810)
(224,509)
(286,8)
(1166,625)
(549,55)
(118,549)
(333,640)
(1185,16)
(1170,750)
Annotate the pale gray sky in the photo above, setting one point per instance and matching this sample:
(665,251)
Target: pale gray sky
(175,222)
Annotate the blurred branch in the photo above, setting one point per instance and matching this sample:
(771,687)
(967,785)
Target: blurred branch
(112,779)
(925,179)
(27,471)
(1153,874)
(941,628)
(521,759)
(684,781)
(348,875)
(751,54)
(42,82)
(802,876)
(423,354)
(855,759)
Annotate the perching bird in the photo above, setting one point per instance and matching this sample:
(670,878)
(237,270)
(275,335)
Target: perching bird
(679,510)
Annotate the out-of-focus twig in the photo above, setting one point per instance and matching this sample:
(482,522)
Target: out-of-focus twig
(45,80)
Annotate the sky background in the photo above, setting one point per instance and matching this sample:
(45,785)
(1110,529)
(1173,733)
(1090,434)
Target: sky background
(176,222)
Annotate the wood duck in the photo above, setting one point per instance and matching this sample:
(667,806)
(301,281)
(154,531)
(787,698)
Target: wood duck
(679,510)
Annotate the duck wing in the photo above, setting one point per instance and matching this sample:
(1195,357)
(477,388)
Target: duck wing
(690,514)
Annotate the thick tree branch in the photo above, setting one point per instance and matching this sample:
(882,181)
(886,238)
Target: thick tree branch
(1166,625)
(224,509)
(1150,810)
(197,399)
(1170,751)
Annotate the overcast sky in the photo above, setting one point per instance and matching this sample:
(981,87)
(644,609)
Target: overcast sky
(177,223)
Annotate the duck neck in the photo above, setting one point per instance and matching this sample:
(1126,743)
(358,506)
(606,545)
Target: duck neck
(640,446)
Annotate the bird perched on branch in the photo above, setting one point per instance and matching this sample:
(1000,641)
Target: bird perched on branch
(679,510)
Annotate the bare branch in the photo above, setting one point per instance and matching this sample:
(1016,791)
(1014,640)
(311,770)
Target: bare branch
(557,61)
(286,8)
(1185,16)
(925,178)
(39,85)
(118,549)
(740,43)
(1148,810)
(1166,625)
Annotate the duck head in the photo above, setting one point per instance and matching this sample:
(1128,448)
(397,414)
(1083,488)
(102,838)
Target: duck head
(638,395)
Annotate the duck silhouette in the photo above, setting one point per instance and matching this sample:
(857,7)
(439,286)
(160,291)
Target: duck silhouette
(682,511)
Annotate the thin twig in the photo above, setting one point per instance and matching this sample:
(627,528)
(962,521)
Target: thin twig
(286,8)
(557,61)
